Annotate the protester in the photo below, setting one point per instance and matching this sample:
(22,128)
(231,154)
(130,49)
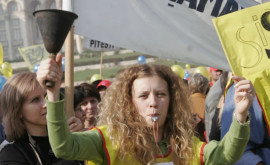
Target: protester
(89,103)
(212,101)
(214,133)
(258,148)
(214,75)
(102,87)
(145,118)
(24,119)
(198,85)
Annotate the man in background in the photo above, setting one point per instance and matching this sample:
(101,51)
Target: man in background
(214,75)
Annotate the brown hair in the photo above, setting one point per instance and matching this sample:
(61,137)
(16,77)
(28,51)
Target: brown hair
(128,129)
(198,83)
(89,90)
(12,98)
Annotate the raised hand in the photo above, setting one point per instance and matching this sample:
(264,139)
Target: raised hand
(243,97)
(75,124)
(51,70)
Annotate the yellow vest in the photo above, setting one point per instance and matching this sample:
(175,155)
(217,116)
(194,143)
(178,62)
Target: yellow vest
(112,158)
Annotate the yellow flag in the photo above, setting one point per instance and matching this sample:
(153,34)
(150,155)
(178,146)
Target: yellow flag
(1,54)
(33,55)
(245,37)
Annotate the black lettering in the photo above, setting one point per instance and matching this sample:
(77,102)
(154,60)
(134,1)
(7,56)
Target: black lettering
(201,5)
(98,44)
(230,6)
(192,4)
(179,1)
(216,8)
(92,42)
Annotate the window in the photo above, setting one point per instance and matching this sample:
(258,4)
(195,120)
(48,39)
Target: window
(16,34)
(1,10)
(16,53)
(12,7)
(3,35)
(2,24)
(15,22)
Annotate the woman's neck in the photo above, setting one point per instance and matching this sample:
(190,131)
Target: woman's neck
(90,123)
(37,131)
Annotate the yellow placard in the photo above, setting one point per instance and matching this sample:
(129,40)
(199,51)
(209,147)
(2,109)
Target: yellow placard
(33,55)
(245,37)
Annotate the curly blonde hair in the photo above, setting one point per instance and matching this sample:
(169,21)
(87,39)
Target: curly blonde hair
(128,129)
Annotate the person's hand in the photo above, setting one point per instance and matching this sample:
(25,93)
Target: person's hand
(243,97)
(75,124)
(51,70)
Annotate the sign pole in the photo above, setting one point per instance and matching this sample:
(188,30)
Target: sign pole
(101,56)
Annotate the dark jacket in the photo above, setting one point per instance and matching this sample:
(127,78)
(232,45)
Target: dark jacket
(30,151)
(2,134)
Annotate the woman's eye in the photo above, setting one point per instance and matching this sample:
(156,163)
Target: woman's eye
(142,96)
(36,99)
(84,103)
(161,94)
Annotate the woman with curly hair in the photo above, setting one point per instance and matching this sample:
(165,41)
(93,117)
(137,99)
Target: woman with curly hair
(145,118)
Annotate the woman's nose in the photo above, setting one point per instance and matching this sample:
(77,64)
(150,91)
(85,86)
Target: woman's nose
(152,100)
(44,103)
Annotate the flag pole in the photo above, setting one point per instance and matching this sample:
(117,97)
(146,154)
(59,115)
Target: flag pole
(69,73)
(69,65)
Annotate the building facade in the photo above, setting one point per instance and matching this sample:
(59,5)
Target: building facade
(17,24)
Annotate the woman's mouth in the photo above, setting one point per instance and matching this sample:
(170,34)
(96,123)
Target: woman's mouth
(154,117)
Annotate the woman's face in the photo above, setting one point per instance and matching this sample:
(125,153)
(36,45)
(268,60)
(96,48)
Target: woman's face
(151,98)
(34,111)
(89,106)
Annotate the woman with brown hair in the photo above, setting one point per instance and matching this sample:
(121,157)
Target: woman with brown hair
(24,120)
(145,118)
(89,103)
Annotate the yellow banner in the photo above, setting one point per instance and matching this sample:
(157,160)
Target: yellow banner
(33,55)
(245,37)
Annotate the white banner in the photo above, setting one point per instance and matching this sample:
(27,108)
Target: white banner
(174,29)
(96,45)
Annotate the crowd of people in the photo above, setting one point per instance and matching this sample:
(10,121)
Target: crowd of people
(146,115)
